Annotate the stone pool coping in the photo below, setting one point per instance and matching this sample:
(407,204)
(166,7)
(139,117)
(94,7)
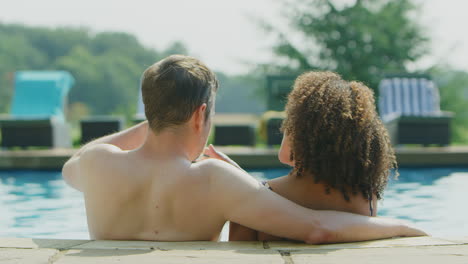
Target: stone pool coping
(404,250)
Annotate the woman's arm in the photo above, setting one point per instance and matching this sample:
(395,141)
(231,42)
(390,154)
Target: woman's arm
(211,152)
(127,139)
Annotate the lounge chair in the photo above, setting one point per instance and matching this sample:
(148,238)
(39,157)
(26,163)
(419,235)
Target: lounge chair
(410,109)
(97,126)
(235,129)
(278,87)
(37,110)
(270,124)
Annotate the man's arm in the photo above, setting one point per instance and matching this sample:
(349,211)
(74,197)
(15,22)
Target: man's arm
(241,233)
(127,139)
(243,200)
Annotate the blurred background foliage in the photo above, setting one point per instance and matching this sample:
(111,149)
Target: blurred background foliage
(453,86)
(107,66)
(361,41)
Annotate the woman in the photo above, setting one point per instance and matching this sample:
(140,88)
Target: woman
(339,149)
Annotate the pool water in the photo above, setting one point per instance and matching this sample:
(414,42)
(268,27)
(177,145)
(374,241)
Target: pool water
(39,204)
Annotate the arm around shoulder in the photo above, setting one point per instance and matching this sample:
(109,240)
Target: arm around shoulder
(243,200)
(348,227)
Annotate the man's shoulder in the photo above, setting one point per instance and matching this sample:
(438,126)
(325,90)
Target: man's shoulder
(223,173)
(214,167)
(102,149)
(99,151)
(98,154)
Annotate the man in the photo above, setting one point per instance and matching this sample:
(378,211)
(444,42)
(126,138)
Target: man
(142,183)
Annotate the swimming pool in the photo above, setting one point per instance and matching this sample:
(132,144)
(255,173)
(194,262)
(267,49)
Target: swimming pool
(38,204)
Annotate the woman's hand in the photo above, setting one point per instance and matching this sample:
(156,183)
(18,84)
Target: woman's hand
(211,152)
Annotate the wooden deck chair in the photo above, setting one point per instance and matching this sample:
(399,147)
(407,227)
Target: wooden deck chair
(409,106)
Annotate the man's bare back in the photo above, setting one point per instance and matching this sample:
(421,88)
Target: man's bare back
(156,194)
(141,183)
(128,197)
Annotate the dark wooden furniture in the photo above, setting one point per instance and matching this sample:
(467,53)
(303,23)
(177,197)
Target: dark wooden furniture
(98,126)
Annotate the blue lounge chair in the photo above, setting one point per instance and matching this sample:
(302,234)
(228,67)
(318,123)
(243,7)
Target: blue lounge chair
(37,110)
(410,109)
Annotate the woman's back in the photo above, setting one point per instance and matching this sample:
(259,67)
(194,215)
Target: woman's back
(307,193)
(336,144)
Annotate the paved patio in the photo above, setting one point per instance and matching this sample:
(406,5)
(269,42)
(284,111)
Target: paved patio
(399,250)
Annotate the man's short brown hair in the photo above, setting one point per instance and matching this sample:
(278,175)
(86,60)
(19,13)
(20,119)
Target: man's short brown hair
(174,88)
(336,135)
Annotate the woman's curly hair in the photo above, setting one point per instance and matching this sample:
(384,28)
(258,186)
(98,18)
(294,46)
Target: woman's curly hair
(336,135)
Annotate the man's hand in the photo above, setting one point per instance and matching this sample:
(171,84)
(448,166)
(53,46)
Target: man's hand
(347,227)
(410,230)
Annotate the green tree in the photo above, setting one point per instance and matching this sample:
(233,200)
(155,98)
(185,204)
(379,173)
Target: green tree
(124,44)
(237,94)
(453,87)
(176,47)
(107,66)
(361,41)
(29,57)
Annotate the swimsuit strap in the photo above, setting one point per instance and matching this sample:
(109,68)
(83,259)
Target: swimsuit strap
(265,183)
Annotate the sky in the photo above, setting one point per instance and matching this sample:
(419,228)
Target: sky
(222,33)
